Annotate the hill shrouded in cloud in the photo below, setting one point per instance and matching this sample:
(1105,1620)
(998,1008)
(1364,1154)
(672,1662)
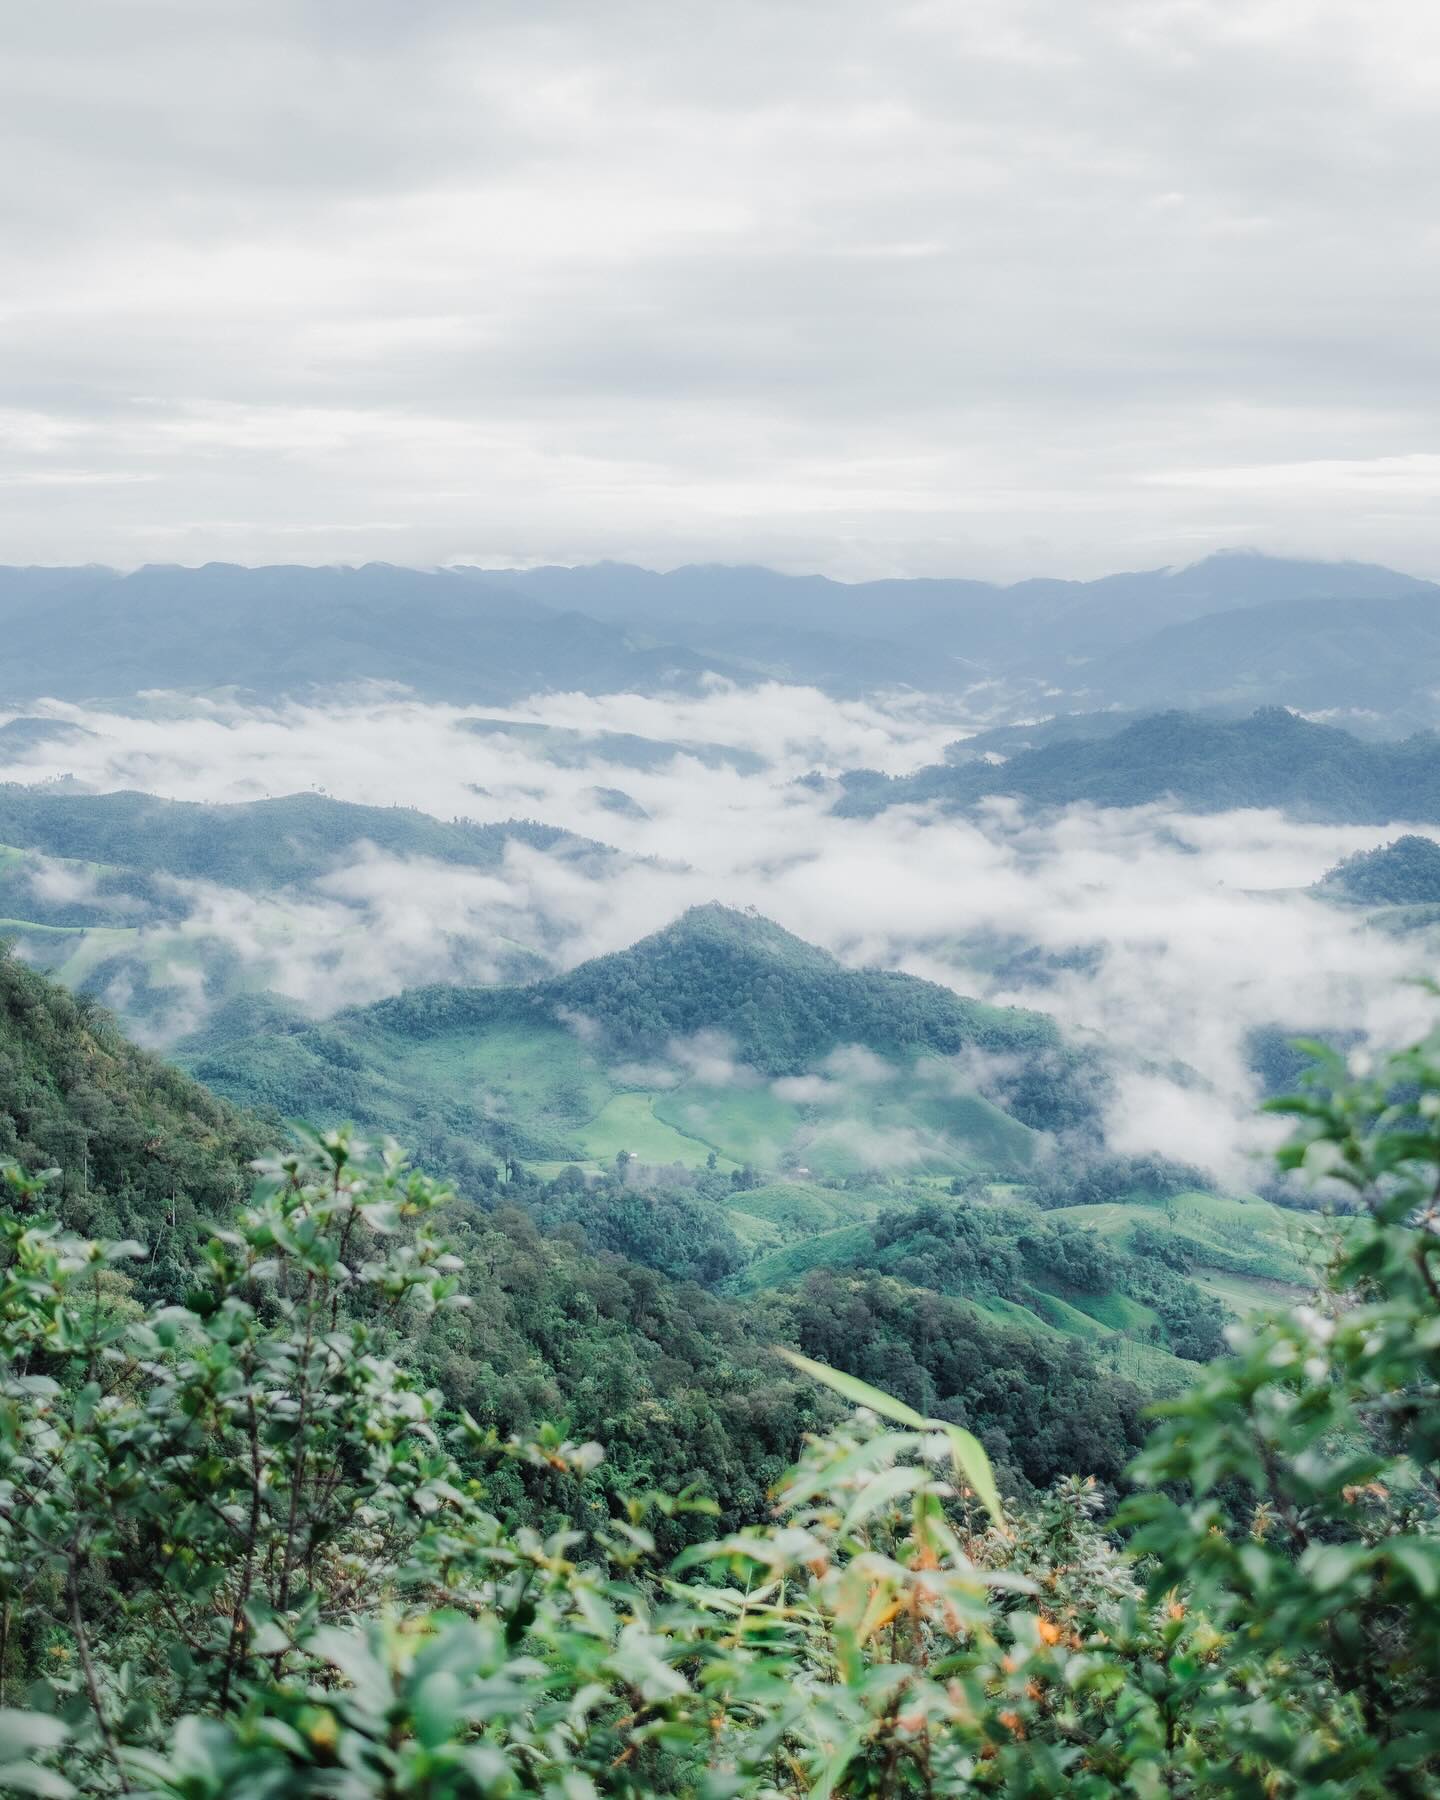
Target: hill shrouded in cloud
(171,908)
(258,845)
(1403,873)
(720,1034)
(1272,759)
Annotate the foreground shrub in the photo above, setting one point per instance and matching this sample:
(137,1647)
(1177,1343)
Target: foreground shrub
(244,1553)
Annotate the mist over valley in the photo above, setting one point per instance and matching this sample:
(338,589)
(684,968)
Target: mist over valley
(1149,882)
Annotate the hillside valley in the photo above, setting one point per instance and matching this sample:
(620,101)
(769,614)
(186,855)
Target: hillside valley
(790,968)
(722,1104)
(785,1105)
(581,1310)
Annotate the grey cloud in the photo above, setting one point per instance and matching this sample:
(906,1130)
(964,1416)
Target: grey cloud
(855,1064)
(708,1058)
(646,1075)
(875,1147)
(807,1090)
(931,288)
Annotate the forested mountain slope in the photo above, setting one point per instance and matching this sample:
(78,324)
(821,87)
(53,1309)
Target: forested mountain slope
(143,1151)
(677,1048)
(257,845)
(682,1382)
(1204,764)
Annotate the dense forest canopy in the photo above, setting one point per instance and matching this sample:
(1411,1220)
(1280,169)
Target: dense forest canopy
(141,1150)
(783,1002)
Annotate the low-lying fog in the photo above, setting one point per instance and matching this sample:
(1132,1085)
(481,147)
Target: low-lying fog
(1195,927)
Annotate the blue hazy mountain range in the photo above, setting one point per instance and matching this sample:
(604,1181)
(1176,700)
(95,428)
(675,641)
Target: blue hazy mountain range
(1235,630)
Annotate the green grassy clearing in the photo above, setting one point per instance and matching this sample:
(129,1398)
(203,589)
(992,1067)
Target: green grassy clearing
(629,1122)
(1235,1235)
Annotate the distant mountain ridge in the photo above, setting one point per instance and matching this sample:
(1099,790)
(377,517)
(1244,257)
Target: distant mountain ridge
(1237,625)
(82,634)
(1078,617)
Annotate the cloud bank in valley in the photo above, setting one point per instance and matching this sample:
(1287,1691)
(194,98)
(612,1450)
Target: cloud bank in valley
(1168,936)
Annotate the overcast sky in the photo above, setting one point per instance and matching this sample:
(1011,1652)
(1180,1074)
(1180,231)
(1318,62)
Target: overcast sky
(981,287)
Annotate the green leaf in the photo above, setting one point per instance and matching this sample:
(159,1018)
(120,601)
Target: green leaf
(350,1654)
(838,1762)
(30,1778)
(435,1708)
(972,1465)
(859,1393)
(21,1733)
(1330,1566)
(1420,1560)
(882,1490)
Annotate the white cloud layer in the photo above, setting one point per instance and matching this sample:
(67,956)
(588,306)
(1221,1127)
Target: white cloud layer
(1195,926)
(960,286)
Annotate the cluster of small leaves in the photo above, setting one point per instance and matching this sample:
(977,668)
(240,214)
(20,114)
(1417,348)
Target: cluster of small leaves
(183,1493)
(1296,1489)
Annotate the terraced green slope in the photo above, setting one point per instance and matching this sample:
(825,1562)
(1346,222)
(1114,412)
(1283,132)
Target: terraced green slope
(682,1381)
(827,1110)
(1150,1299)
(721,1036)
